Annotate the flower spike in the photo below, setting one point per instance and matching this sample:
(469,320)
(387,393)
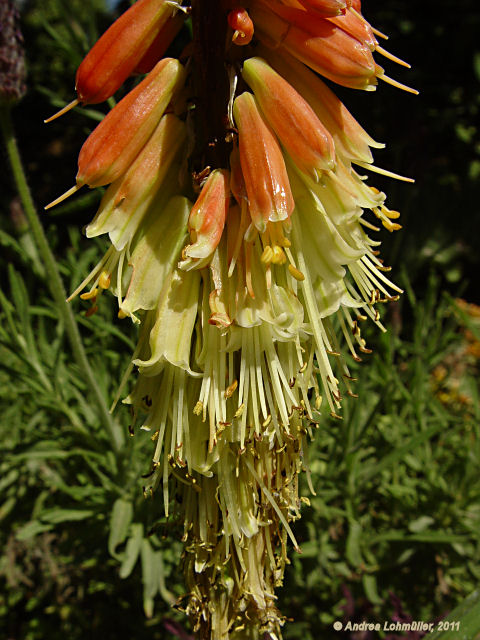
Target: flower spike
(250,297)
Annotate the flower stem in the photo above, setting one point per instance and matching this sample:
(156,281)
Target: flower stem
(54,281)
(209,22)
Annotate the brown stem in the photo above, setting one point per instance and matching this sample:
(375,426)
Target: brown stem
(211,85)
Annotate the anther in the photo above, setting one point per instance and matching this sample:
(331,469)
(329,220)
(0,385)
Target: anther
(296,273)
(230,390)
(89,295)
(104,280)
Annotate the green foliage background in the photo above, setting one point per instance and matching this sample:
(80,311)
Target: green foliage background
(394,527)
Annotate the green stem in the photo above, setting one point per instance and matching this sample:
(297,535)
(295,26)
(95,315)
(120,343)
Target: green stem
(53,278)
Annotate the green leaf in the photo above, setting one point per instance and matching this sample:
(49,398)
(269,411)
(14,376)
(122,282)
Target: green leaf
(55,516)
(32,529)
(149,577)
(120,520)
(420,524)
(390,460)
(462,624)
(132,550)
(370,586)
(352,552)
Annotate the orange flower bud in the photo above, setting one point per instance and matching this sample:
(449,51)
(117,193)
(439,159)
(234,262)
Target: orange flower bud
(358,28)
(242,26)
(116,54)
(263,166)
(207,217)
(237,182)
(126,201)
(117,140)
(351,140)
(326,8)
(318,43)
(161,43)
(298,128)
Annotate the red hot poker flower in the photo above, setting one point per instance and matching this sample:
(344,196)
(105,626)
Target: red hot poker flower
(318,43)
(115,143)
(207,217)
(327,8)
(116,54)
(242,26)
(298,128)
(161,43)
(266,180)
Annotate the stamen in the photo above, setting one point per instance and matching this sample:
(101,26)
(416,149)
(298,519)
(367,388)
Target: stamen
(298,275)
(269,497)
(64,109)
(267,255)
(230,390)
(391,57)
(397,84)
(104,280)
(383,172)
(378,33)
(248,269)
(88,295)
(64,196)
(278,255)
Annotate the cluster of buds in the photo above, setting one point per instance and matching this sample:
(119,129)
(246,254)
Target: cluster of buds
(239,243)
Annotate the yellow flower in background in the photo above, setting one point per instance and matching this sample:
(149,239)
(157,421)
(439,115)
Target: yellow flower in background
(239,222)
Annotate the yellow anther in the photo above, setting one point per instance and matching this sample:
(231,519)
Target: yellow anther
(239,411)
(198,408)
(104,280)
(391,226)
(391,213)
(285,242)
(318,402)
(298,275)
(88,295)
(267,421)
(278,255)
(267,255)
(230,390)
(122,315)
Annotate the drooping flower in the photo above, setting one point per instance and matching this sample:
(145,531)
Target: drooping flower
(240,245)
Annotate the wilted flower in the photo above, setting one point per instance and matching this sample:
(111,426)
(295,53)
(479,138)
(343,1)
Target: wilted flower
(239,243)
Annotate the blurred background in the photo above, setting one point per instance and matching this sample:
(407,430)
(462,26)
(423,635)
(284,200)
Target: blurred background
(393,532)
